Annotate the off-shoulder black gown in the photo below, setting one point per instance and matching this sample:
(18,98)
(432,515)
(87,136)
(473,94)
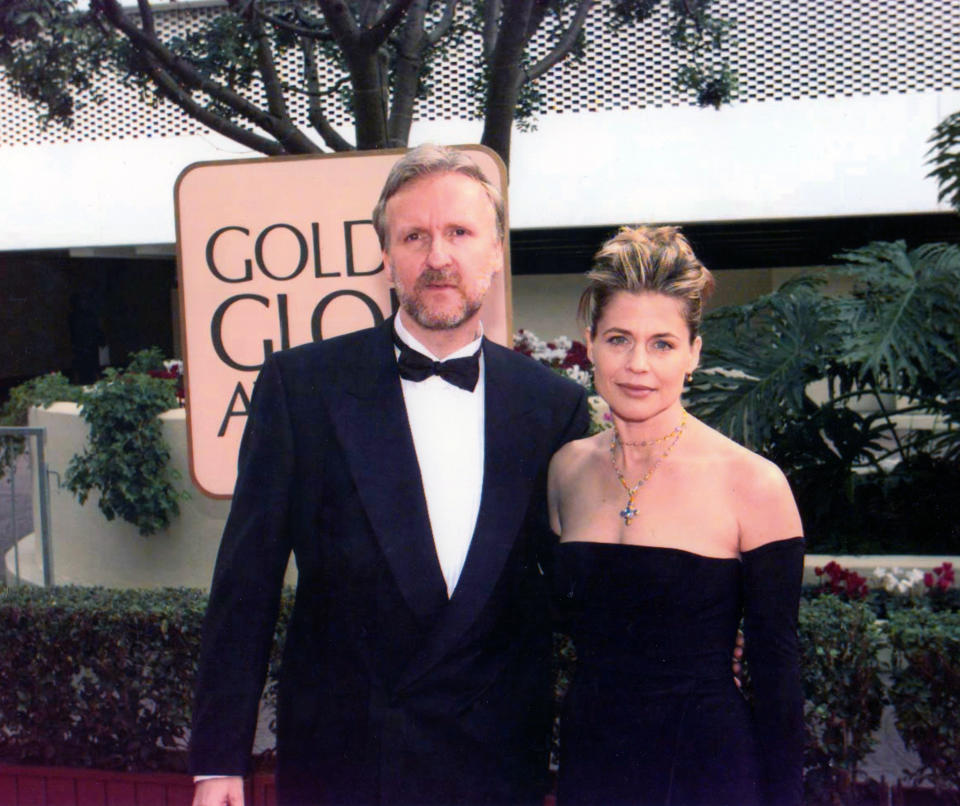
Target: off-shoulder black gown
(653,715)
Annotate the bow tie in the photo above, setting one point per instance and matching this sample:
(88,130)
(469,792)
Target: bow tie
(415,366)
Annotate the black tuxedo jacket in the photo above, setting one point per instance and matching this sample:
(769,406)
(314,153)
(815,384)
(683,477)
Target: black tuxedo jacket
(389,691)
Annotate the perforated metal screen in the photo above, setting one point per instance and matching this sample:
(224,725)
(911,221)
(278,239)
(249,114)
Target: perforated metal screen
(783,49)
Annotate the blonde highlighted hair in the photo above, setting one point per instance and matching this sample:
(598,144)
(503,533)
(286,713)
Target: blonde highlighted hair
(646,260)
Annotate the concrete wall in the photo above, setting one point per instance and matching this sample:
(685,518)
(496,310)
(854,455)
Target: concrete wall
(547,303)
(89,550)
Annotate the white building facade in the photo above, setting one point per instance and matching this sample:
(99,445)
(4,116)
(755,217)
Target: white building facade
(827,133)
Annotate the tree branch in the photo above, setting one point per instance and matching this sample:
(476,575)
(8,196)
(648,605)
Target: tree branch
(293,28)
(442,28)
(173,90)
(377,33)
(535,18)
(410,50)
(491,19)
(341,22)
(268,71)
(314,111)
(360,54)
(190,76)
(563,47)
(146,16)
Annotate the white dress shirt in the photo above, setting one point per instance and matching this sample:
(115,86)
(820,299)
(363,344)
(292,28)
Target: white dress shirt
(447,427)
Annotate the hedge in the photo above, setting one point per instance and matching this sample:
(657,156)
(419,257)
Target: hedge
(103,678)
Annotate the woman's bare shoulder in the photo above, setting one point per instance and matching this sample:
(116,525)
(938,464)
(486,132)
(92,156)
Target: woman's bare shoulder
(740,463)
(761,495)
(572,455)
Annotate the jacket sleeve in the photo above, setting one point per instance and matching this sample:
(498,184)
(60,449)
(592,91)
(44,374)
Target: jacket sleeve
(772,576)
(247,583)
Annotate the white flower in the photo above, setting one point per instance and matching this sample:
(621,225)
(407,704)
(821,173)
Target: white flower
(580,375)
(599,412)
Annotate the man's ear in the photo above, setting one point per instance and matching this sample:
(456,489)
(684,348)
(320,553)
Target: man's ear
(498,259)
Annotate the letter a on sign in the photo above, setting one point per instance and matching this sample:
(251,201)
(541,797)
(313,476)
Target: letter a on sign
(276,252)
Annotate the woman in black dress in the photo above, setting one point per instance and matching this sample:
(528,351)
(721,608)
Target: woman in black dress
(670,533)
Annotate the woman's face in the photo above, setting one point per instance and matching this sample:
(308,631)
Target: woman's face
(641,353)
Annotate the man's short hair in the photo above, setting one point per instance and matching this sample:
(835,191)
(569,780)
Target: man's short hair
(427,160)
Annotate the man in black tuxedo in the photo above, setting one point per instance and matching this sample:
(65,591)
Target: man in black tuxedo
(405,467)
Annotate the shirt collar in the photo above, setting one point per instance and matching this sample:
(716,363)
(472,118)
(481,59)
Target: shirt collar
(411,341)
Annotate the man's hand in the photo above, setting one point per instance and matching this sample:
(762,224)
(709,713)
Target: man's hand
(226,791)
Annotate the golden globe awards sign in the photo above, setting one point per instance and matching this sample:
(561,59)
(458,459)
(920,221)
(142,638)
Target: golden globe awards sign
(273,253)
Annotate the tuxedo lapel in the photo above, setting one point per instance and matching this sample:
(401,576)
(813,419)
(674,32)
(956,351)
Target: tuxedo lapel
(509,419)
(372,422)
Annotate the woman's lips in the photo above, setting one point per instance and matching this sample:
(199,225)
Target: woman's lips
(635,390)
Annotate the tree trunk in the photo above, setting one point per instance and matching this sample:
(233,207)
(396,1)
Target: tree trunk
(370,114)
(503,69)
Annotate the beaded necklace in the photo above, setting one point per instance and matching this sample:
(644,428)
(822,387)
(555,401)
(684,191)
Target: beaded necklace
(629,512)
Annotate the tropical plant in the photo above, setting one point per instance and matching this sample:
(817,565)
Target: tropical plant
(226,73)
(945,158)
(821,381)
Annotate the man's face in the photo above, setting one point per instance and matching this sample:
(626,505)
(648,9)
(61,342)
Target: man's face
(443,249)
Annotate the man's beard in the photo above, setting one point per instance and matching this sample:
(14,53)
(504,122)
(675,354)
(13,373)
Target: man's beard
(417,308)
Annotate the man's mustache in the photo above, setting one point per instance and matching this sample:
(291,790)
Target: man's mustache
(431,277)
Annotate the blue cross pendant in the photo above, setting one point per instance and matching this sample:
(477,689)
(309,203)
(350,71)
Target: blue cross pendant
(628,513)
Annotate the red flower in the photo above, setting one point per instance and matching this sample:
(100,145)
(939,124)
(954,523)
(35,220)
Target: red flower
(928,579)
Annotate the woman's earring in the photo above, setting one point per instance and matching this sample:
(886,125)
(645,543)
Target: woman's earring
(689,377)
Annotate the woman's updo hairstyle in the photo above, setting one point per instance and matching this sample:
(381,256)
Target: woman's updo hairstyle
(646,259)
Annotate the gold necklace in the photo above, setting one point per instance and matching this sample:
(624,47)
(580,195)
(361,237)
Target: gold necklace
(629,512)
(645,443)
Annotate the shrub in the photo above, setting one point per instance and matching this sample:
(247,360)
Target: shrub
(126,457)
(97,678)
(925,691)
(91,677)
(839,643)
(40,391)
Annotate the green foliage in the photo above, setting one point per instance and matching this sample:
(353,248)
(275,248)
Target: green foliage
(97,678)
(49,52)
(101,678)
(40,391)
(143,361)
(126,458)
(903,323)
(944,156)
(91,677)
(377,64)
(844,693)
(926,693)
(890,344)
